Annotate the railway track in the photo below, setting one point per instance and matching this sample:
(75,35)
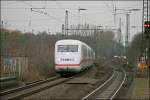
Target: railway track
(107,90)
(8,82)
(27,90)
(110,88)
(35,87)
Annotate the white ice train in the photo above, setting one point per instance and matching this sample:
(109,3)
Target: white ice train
(72,56)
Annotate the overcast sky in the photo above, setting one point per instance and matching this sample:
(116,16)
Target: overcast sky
(18,15)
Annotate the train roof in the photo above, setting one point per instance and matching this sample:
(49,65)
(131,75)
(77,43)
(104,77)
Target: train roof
(68,41)
(71,41)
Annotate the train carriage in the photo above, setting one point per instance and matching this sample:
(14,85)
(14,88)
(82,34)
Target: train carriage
(72,56)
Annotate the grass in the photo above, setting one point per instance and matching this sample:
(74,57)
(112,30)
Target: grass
(140,89)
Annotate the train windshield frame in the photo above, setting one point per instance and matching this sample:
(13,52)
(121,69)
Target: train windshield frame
(67,48)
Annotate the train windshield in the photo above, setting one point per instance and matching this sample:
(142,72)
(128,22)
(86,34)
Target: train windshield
(67,48)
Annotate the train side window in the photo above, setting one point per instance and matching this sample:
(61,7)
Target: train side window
(84,50)
(88,54)
(91,55)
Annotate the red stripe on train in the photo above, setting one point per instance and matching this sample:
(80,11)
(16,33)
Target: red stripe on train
(83,61)
(67,64)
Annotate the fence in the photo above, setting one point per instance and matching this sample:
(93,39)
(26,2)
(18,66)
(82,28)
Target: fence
(13,66)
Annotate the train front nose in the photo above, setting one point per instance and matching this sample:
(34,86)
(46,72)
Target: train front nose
(68,65)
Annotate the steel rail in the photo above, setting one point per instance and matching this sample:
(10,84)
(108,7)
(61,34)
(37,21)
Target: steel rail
(120,84)
(28,86)
(29,89)
(112,97)
(27,92)
(85,97)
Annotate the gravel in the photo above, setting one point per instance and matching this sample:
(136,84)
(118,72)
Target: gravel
(76,90)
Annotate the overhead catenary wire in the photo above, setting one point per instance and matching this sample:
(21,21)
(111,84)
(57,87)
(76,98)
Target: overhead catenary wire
(41,12)
(108,7)
(113,5)
(45,13)
(13,2)
(71,13)
(114,11)
(27,3)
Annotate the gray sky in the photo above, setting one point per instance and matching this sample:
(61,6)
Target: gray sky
(18,15)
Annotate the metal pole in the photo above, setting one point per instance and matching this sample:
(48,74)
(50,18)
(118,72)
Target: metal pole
(149,66)
(62,28)
(147,9)
(148,19)
(127,32)
(79,15)
(66,23)
(79,22)
(142,29)
(145,16)
(120,36)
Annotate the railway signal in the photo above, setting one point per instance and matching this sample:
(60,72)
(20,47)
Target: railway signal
(147,29)
(141,65)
